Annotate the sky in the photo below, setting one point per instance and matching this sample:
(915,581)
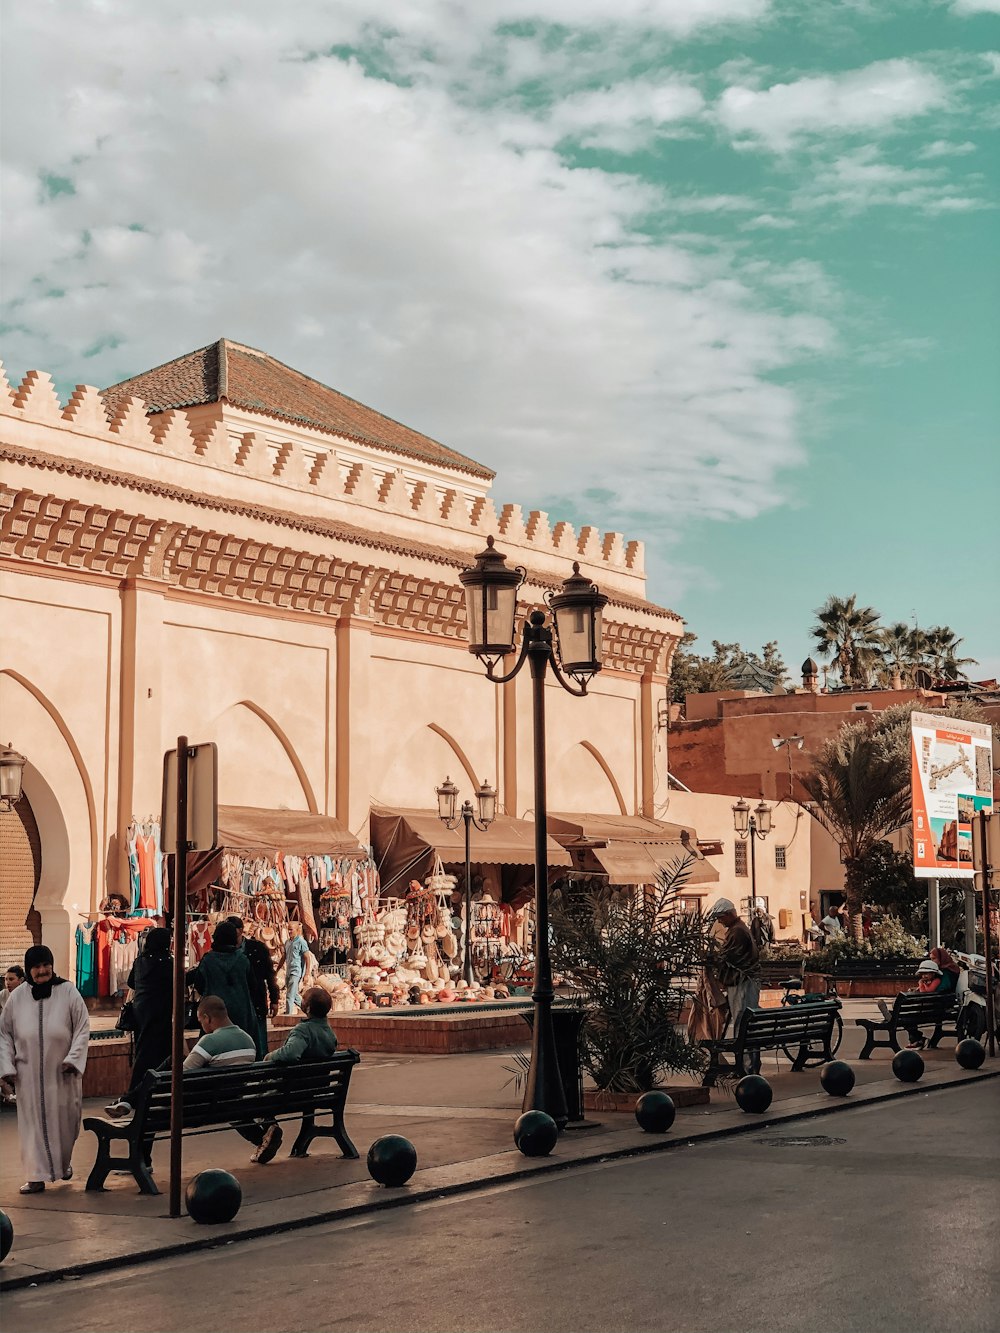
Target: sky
(722,275)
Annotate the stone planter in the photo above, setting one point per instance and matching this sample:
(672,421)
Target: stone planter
(598,1099)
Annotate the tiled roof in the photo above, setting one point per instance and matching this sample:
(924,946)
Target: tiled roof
(229,372)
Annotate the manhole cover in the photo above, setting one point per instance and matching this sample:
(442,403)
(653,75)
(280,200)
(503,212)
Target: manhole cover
(803,1141)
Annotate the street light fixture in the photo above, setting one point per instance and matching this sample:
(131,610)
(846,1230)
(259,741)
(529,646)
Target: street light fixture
(11,771)
(751,825)
(574,652)
(483,816)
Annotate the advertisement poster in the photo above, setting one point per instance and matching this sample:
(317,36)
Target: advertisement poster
(952,776)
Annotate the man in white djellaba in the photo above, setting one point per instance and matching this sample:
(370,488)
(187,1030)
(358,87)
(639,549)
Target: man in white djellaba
(44,1031)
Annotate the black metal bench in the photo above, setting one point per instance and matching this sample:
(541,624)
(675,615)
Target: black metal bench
(805,1029)
(774,972)
(911,1011)
(214,1098)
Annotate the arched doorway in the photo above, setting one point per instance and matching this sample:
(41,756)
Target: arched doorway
(20,871)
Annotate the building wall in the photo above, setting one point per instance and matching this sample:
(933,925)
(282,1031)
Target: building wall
(785,889)
(307,619)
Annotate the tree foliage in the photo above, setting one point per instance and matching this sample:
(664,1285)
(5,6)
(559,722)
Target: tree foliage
(636,956)
(693,673)
(865,653)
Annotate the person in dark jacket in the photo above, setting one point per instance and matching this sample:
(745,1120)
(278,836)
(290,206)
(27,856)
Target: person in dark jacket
(263,987)
(151,986)
(312,1038)
(225,971)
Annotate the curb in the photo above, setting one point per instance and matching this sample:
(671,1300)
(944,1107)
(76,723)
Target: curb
(518,1171)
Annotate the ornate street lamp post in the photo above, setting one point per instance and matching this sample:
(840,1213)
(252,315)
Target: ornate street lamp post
(486,806)
(574,653)
(751,827)
(11,770)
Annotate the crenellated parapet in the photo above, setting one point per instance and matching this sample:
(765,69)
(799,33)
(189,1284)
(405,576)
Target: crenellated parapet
(239,456)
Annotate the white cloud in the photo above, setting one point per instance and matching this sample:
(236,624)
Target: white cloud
(945,148)
(394,243)
(862,179)
(876,98)
(976,6)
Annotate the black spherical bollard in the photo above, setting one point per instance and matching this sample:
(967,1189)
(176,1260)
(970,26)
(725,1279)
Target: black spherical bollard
(392,1160)
(535,1134)
(970,1053)
(753,1093)
(213,1196)
(6,1236)
(837,1078)
(655,1112)
(908,1066)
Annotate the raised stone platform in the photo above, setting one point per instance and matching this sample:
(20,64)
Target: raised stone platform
(427,1030)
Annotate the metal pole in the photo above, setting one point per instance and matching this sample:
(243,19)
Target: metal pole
(467,817)
(180,930)
(987,882)
(970,920)
(543,1089)
(752,826)
(934,913)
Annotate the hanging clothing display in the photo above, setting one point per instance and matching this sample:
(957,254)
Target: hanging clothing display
(145,864)
(86,960)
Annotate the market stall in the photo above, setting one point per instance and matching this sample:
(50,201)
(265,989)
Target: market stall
(632,850)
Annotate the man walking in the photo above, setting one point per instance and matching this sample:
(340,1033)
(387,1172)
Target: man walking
(737,965)
(263,987)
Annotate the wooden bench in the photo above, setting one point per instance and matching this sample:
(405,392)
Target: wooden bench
(911,1011)
(214,1098)
(805,1028)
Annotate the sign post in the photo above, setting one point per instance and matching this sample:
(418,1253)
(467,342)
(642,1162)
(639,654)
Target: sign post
(188,822)
(985,854)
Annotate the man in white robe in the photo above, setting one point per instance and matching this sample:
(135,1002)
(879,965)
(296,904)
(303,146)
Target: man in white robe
(44,1031)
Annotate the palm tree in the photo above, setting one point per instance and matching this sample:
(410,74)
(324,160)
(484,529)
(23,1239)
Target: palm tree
(897,647)
(848,635)
(860,794)
(942,652)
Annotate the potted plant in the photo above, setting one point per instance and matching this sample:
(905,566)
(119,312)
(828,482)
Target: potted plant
(634,955)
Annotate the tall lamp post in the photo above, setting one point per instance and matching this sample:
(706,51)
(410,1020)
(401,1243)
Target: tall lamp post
(750,827)
(486,806)
(574,653)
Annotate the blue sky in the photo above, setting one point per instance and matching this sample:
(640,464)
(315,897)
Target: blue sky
(721,274)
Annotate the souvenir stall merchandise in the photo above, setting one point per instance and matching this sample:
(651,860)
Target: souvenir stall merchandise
(145,866)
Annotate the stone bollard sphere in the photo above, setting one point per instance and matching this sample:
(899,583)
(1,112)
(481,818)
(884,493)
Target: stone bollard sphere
(213,1196)
(754,1094)
(837,1078)
(392,1160)
(908,1066)
(655,1112)
(535,1134)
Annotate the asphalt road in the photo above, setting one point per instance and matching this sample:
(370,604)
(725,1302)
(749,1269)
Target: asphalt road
(881,1218)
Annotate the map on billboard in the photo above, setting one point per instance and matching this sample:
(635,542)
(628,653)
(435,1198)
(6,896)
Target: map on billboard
(952,776)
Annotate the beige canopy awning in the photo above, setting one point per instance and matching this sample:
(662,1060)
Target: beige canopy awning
(246,831)
(406,843)
(632,849)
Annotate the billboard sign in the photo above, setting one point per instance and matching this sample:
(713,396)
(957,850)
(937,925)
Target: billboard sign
(952,779)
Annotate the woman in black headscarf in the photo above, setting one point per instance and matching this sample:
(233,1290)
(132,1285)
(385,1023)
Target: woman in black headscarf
(151,985)
(44,1031)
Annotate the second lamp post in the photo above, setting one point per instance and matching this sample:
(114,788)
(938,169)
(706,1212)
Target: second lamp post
(486,801)
(491,610)
(750,827)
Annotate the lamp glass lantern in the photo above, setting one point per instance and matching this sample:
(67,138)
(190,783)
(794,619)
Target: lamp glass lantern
(11,772)
(491,603)
(486,801)
(741,817)
(763,817)
(447,795)
(577,611)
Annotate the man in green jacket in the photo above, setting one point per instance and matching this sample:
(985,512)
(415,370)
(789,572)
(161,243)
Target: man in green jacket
(312,1038)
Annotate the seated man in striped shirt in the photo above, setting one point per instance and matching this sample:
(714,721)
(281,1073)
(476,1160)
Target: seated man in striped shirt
(224,1045)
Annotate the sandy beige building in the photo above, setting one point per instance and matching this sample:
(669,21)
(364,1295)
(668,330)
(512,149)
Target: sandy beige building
(225,548)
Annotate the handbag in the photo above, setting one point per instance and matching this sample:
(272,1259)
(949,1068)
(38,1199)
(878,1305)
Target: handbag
(126,1018)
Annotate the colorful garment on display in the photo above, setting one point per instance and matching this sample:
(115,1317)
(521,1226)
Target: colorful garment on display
(145,866)
(115,948)
(86,960)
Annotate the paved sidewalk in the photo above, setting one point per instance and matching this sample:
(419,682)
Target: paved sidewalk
(456,1110)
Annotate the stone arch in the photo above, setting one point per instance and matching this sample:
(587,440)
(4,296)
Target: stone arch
(59,790)
(460,754)
(429,750)
(237,761)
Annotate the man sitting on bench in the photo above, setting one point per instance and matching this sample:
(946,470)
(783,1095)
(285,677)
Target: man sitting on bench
(223,1045)
(312,1038)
